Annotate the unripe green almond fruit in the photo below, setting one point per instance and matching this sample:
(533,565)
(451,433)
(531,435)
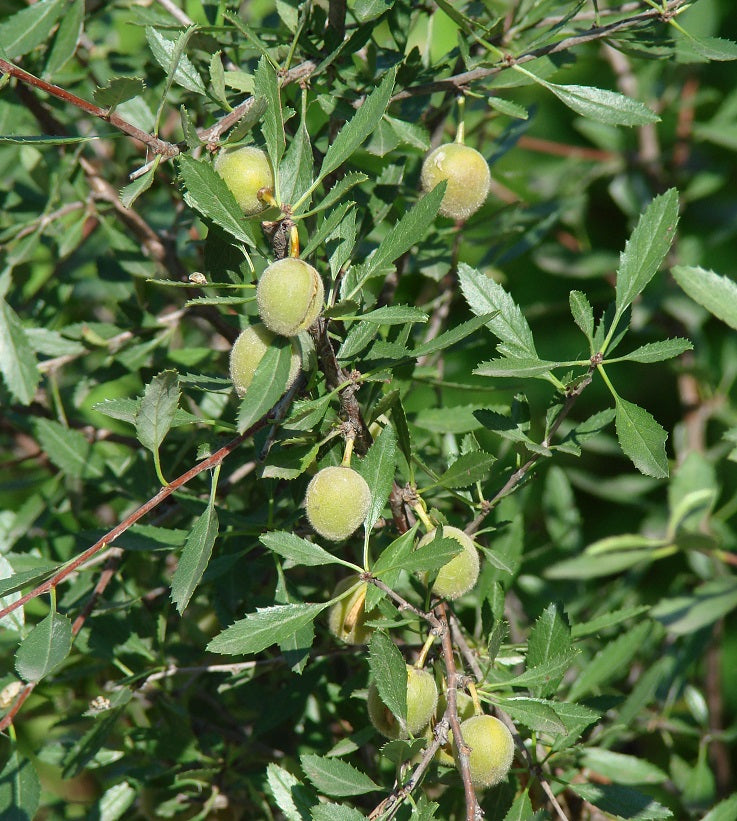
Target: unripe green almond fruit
(492,750)
(248,350)
(290,295)
(468,176)
(347,617)
(460,574)
(337,501)
(422,698)
(246,171)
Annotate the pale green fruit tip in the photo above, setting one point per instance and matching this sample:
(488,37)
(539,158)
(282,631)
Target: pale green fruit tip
(459,575)
(422,699)
(248,350)
(492,750)
(467,174)
(246,171)
(290,296)
(337,501)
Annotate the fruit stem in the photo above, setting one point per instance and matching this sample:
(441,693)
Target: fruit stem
(429,641)
(353,614)
(477,709)
(348,453)
(461,133)
(294,241)
(419,509)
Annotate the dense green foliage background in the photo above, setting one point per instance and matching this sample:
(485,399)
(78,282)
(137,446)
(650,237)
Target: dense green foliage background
(148,680)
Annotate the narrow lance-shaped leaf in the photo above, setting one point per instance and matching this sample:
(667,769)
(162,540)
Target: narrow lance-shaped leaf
(389,672)
(157,409)
(29,27)
(171,57)
(195,557)
(268,384)
(641,438)
(378,471)
(44,648)
(20,788)
(296,550)
(658,351)
(602,105)
(17,362)
(583,313)
(335,777)
(718,294)
(467,469)
(265,84)
(646,248)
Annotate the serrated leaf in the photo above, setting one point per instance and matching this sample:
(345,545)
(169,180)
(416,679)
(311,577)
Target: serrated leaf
(16,619)
(611,662)
(360,126)
(290,794)
(467,469)
(536,715)
(195,557)
(391,555)
(389,673)
(339,190)
(29,27)
(449,338)
(156,411)
(335,777)
(117,90)
(131,192)
(17,362)
(393,315)
(169,53)
(641,438)
(208,193)
(545,672)
(68,449)
(646,248)
(550,637)
(508,107)
(658,351)
(378,470)
(268,384)
(20,788)
(485,296)
(43,139)
(521,368)
(266,85)
(430,556)
(602,105)
(583,313)
(336,812)
(718,294)
(26,578)
(44,648)
(297,551)
(295,170)
(66,38)
(267,626)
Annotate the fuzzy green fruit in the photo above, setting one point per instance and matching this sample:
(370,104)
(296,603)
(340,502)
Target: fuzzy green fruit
(465,708)
(337,501)
(492,750)
(347,618)
(422,698)
(460,574)
(246,171)
(468,176)
(290,295)
(247,352)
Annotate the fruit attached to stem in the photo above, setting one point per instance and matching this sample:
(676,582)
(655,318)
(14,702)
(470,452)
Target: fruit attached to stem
(246,171)
(459,575)
(422,698)
(347,617)
(467,174)
(290,295)
(492,750)
(337,501)
(248,350)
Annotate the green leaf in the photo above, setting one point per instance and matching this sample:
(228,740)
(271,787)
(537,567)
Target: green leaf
(17,362)
(20,788)
(266,84)
(646,248)
(683,615)
(622,802)
(522,368)
(610,663)
(521,809)
(718,294)
(591,567)
(268,384)
(428,557)
(16,619)
(339,190)
(705,49)
(394,315)
(66,39)
(389,673)
(117,90)
(602,105)
(208,194)
(332,776)
(658,351)
(583,313)
(545,672)
(360,126)
(131,192)
(25,578)
(623,769)
(156,411)
(290,794)
(537,715)
(44,648)
(295,170)
(336,812)
(29,27)
(508,107)
(44,139)
(267,626)
(724,811)
(485,296)
(68,449)
(550,637)
(393,554)
(195,557)
(467,469)
(378,470)
(169,54)
(641,438)
(606,620)
(451,337)
(297,551)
